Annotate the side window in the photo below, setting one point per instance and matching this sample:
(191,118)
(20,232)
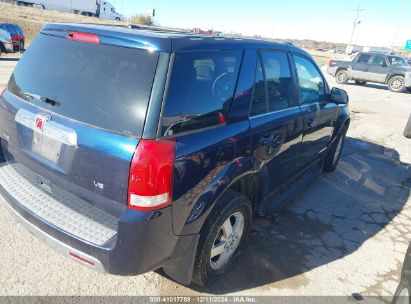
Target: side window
(363,58)
(311,83)
(201,90)
(279,81)
(259,105)
(379,60)
(273,83)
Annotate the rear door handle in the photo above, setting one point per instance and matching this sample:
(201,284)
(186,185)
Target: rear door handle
(267,139)
(311,122)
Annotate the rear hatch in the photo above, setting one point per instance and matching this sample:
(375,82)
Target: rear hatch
(74,111)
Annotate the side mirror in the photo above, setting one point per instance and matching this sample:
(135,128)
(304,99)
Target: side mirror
(339,96)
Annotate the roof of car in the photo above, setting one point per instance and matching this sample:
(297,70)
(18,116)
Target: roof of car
(165,40)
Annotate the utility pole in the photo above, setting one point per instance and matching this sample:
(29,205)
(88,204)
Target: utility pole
(357,11)
(399,24)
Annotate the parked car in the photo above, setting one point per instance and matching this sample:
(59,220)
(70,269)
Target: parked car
(155,150)
(16,34)
(373,67)
(6,44)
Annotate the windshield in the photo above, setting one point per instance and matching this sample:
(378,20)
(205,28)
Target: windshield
(105,86)
(397,61)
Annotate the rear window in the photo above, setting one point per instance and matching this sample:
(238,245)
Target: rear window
(201,90)
(363,58)
(105,86)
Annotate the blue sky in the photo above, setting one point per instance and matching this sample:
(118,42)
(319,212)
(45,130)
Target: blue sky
(329,20)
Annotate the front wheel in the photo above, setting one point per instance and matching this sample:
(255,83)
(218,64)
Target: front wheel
(334,154)
(341,77)
(222,238)
(397,84)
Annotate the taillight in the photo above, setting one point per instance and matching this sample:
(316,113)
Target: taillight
(151,175)
(330,62)
(84,37)
(2,91)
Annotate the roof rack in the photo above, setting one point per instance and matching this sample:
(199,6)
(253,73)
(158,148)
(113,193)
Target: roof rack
(156,29)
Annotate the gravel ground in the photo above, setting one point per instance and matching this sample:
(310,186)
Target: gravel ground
(346,233)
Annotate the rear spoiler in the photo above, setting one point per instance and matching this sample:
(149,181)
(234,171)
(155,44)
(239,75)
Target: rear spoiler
(109,35)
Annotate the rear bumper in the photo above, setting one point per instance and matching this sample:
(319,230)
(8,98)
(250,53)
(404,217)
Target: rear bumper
(144,240)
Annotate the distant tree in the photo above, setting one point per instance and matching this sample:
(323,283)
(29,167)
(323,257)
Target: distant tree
(142,19)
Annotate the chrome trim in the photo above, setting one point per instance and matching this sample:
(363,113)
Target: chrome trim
(51,129)
(52,242)
(274,112)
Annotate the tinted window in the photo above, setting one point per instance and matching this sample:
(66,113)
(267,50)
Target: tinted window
(279,81)
(363,58)
(201,89)
(311,83)
(105,86)
(259,105)
(397,61)
(378,60)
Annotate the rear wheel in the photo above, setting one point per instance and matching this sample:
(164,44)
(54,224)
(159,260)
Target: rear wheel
(21,46)
(361,83)
(222,238)
(341,77)
(397,84)
(334,154)
(117,19)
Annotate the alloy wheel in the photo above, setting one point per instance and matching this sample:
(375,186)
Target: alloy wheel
(227,240)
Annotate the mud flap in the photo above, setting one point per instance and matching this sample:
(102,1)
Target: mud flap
(181,263)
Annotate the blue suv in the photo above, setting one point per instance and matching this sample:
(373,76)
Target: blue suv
(130,150)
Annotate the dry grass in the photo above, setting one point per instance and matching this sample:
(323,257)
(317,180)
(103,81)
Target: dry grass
(322,58)
(32,19)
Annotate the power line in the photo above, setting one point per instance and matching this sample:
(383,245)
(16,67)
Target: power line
(399,24)
(357,11)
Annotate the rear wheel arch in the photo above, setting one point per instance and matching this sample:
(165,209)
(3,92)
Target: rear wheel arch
(249,185)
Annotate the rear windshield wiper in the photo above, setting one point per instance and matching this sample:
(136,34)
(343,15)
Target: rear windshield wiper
(49,101)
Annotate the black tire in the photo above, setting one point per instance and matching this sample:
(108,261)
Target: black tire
(228,205)
(334,154)
(397,84)
(409,90)
(21,46)
(360,83)
(341,77)
(117,19)
(402,294)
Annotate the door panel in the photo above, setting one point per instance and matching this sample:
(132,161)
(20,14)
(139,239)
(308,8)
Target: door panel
(276,124)
(360,67)
(378,69)
(317,111)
